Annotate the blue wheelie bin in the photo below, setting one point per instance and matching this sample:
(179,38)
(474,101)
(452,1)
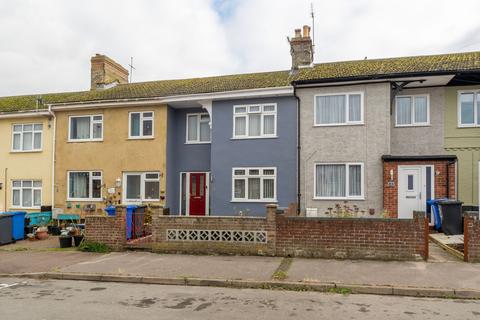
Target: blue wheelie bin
(18,224)
(111,211)
(129,217)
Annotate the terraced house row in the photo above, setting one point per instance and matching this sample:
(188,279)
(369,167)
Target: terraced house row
(384,135)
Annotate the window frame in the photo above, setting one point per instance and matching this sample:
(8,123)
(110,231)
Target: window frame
(90,185)
(262,177)
(142,118)
(347,182)
(33,124)
(198,115)
(347,122)
(33,188)
(143,180)
(92,122)
(476,114)
(262,113)
(412,106)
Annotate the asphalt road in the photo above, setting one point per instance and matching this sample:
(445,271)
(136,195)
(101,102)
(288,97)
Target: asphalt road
(48,299)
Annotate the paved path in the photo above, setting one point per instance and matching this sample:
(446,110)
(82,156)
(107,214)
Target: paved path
(78,300)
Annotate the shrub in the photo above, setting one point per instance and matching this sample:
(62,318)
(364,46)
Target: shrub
(89,246)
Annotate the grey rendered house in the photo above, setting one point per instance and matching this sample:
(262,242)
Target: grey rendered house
(371,133)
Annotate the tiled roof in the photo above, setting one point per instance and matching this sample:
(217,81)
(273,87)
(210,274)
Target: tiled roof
(331,71)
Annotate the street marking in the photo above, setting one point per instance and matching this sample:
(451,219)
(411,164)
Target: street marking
(6,285)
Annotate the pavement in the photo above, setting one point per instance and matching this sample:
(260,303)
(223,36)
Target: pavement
(440,277)
(26,299)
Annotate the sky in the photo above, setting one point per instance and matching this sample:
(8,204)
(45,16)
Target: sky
(45,46)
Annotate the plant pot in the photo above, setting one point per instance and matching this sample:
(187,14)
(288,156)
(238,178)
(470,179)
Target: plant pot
(65,242)
(41,235)
(77,240)
(54,230)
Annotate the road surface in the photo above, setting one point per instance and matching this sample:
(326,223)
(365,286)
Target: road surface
(60,299)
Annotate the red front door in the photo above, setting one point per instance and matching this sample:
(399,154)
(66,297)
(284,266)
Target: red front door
(197,194)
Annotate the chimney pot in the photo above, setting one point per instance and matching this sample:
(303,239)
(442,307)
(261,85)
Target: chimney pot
(298,33)
(306,31)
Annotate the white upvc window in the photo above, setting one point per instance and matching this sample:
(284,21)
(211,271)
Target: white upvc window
(140,125)
(85,128)
(412,110)
(141,187)
(339,181)
(468,108)
(254,184)
(198,128)
(27,137)
(26,194)
(338,109)
(255,121)
(84,186)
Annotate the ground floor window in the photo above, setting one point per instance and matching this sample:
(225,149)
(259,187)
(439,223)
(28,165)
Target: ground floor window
(339,181)
(254,184)
(85,185)
(141,186)
(26,193)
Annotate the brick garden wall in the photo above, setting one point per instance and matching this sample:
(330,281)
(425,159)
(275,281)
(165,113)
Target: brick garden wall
(390,194)
(471,237)
(110,230)
(353,238)
(161,224)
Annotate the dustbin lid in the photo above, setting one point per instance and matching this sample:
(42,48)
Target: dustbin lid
(4,215)
(450,202)
(18,213)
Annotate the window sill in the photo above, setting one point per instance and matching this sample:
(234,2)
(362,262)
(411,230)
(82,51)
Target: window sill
(84,200)
(339,199)
(26,151)
(338,125)
(200,142)
(140,138)
(250,138)
(412,125)
(253,201)
(83,141)
(468,126)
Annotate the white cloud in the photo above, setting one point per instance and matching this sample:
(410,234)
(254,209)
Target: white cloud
(45,45)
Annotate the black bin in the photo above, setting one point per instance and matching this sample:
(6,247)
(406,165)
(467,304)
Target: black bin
(452,220)
(6,225)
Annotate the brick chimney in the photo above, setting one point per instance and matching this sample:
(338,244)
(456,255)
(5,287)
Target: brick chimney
(106,73)
(301,49)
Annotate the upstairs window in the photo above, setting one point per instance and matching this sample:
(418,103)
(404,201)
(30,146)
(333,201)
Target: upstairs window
(27,137)
(86,128)
(412,111)
(254,184)
(198,128)
(339,109)
(141,125)
(26,194)
(85,185)
(255,121)
(469,109)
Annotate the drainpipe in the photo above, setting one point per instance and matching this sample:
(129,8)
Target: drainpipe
(54,137)
(5,186)
(299,195)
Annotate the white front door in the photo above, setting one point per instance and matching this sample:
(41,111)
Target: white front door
(410,188)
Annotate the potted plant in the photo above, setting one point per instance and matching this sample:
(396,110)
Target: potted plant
(78,239)
(41,233)
(65,239)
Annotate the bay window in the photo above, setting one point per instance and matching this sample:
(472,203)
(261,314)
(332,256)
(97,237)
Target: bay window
(338,109)
(255,121)
(141,186)
(140,125)
(339,181)
(85,185)
(469,109)
(254,184)
(86,128)
(27,137)
(26,194)
(412,110)
(198,128)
